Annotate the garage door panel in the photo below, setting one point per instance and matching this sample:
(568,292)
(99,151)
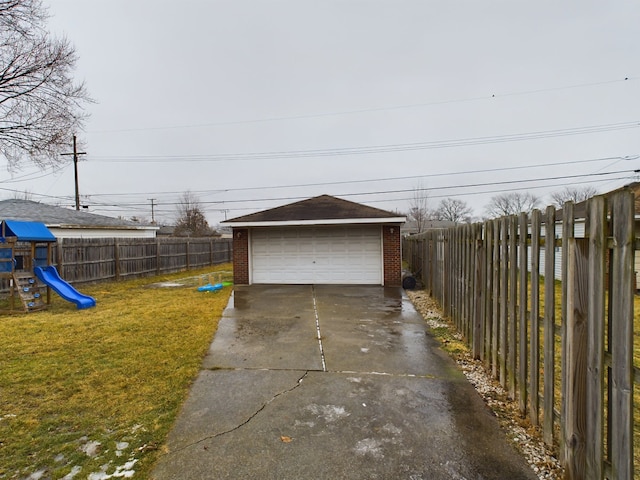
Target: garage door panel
(306,255)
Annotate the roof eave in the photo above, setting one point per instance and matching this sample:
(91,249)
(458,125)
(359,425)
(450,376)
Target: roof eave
(101,227)
(337,221)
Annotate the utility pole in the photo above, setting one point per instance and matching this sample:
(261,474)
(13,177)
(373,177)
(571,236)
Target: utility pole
(153,218)
(75,154)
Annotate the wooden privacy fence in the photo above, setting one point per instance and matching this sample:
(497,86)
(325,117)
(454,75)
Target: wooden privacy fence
(97,259)
(563,349)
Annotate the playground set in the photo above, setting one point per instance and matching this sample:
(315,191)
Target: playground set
(26,272)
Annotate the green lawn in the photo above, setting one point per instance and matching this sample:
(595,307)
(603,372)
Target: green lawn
(87,391)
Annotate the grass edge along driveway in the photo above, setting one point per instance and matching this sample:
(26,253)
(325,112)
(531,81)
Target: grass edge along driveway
(93,393)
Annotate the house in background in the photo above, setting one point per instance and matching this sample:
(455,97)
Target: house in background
(411,226)
(322,240)
(67,223)
(579,212)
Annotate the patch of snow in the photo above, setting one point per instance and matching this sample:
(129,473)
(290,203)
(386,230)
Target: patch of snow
(392,429)
(298,423)
(369,446)
(74,471)
(98,476)
(91,449)
(120,446)
(330,413)
(124,471)
(37,475)
(167,284)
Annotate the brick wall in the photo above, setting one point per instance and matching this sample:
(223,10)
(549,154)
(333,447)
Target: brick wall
(241,256)
(391,256)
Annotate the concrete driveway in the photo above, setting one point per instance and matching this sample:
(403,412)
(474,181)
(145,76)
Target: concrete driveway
(332,382)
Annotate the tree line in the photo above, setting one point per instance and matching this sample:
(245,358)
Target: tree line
(458,211)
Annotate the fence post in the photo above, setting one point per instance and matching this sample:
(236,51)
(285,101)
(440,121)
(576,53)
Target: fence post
(568,232)
(549,323)
(488,300)
(523,303)
(60,256)
(116,258)
(621,339)
(534,338)
(575,422)
(512,332)
(446,272)
(157,256)
(496,298)
(478,295)
(188,259)
(597,232)
(504,299)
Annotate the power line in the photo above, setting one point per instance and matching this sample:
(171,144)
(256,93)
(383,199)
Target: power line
(402,199)
(386,192)
(346,182)
(370,150)
(390,200)
(370,110)
(386,179)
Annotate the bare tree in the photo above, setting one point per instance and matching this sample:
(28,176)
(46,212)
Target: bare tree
(419,208)
(40,105)
(573,194)
(26,195)
(511,204)
(453,210)
(191,221)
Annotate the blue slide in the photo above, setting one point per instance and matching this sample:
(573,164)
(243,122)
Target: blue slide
(51,278)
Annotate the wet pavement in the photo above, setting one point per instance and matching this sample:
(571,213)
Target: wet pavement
(332,382)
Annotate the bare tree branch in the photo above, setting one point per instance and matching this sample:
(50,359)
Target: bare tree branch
(419,208)
(191,220)
(511,204)
(40,105)
(572,194)
(453,210)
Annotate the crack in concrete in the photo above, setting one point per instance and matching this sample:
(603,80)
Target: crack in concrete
(318,333)
(251,417)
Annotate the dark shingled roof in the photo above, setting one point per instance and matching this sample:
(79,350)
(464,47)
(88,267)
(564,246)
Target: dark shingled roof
(324,207)
(50,215)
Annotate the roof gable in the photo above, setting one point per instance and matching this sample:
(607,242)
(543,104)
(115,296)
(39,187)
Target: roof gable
(323,209)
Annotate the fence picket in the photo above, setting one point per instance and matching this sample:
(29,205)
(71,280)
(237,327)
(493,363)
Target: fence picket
(549,324)
(534,339)
(98,259)
(596,228)
(621,300)
(488,281)
(576,343)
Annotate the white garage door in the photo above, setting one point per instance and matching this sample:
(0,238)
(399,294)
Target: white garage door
(320,255)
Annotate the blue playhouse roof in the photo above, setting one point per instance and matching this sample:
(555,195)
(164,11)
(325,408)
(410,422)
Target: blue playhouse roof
(27,231)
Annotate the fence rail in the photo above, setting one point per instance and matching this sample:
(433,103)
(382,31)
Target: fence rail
(563,349)
(91,260)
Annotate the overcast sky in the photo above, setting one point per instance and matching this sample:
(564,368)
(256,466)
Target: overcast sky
(250,104)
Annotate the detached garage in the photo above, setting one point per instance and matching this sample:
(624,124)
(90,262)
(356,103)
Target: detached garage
(322,240)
